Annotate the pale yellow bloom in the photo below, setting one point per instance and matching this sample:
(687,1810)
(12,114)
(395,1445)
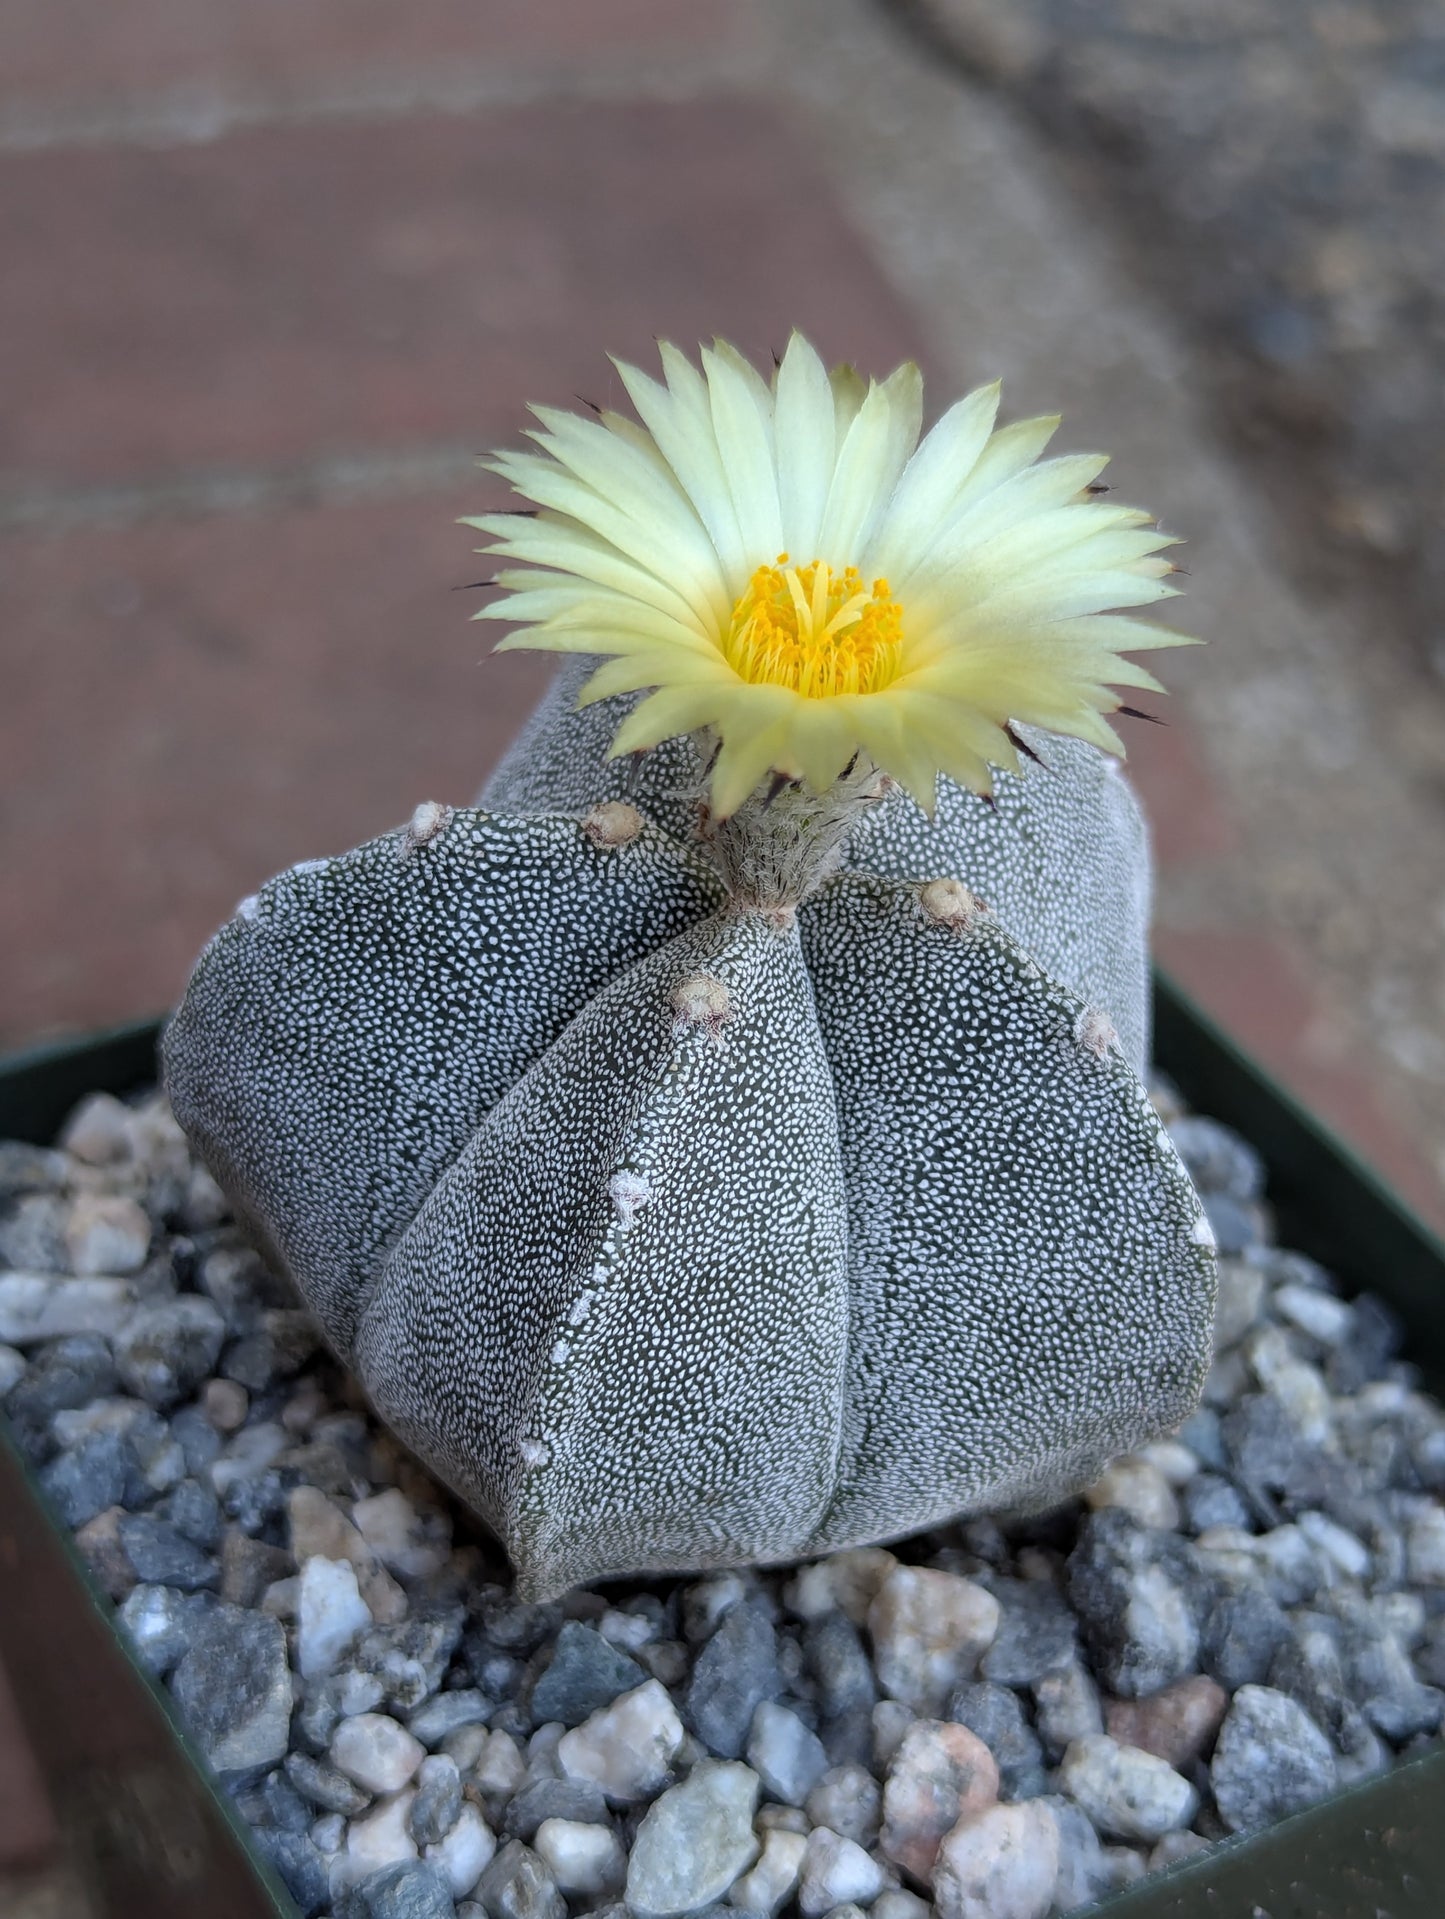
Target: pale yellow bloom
(785,564)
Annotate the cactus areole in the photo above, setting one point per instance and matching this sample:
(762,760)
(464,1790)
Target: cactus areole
(728,1143)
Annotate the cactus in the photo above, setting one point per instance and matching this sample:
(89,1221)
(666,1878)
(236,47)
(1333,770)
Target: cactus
(694,1185)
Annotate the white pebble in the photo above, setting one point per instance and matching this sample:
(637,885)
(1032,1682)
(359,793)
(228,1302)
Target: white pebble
(940,1774)
(1128,1794)
(694,1841)
(1321,1315)
(331,1615)
(500,1769)
(249,1454)
(848,1800)
(774,1879)
(1425,1547)
(629,1630)
(786,1755)
(1136,1486)
(12,1365)
(845,1582)
(37,1306)
(1002,1863)
(929,1631)
(1238,1303)
(328,1832)
(466,1852)
(1343,1550)
(1298,1387)
(98,1131)
(837,1871)
(891,1721)
(1178,1462)
(225,1404)
(895,1903)
(627,1747)
(401,1538)
(107,1234)
(581,1858)
(376,1752)
(379,1839)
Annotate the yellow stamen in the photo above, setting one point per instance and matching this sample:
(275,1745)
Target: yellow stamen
(819,632)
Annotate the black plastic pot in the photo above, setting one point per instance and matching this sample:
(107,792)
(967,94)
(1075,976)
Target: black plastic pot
(146,1825)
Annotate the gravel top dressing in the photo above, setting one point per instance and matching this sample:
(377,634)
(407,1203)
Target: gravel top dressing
(1007,1719)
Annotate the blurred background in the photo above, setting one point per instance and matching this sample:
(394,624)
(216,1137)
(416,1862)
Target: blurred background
(277,271)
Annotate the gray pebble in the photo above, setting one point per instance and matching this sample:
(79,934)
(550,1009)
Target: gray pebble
(1242,1633)
(848,1801)
(197,1438)
(1138,1622)
(585,1674)
(735,1671)
(322,1785)
(1271,1760)
(195,1512)
(276,1803)
(1382,1683)
(444,1712)
(513,1626)
(838,1661)
(1066,1707)
(93,1475)
(516,1885)
(1376,1335)
(848,1737)
(438,1800)
(30,1169)
(1309,1668)
(1083,1870)
(162,1556)
(1429,1655)
(1210,1500)
(161,1623)
(1201,1434)
(407,1890)
(32,1235)
(997,1716)
(163,1352)
(410,1659)
(1236,1224)
(1037,1633)
(233,1689)
(1219,1161)
(575,1799)
(299,1866)
(66,1373)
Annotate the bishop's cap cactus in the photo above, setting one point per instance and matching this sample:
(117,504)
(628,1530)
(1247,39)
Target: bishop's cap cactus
(749,1158)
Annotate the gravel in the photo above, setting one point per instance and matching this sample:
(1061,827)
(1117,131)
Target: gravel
(1005,1716)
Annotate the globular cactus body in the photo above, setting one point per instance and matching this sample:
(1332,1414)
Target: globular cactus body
(677,1234)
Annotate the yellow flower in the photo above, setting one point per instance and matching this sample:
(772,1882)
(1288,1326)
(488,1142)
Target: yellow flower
(786,565)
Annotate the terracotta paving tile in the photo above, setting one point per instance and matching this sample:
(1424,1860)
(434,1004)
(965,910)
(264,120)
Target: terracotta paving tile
(281,295)
(1188,820)
(56,52)
(195,706)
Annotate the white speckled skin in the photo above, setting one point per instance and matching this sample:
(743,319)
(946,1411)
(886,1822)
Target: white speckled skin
(1062,856)
(867,1232)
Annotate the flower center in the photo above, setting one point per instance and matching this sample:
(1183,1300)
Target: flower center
(815,630)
